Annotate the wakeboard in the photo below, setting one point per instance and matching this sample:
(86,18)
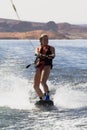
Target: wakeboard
(44,103)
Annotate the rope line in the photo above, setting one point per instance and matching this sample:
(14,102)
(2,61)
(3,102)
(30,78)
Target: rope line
(14,7)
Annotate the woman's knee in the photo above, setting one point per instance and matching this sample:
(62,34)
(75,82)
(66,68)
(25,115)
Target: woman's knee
(36,87)
(43,83)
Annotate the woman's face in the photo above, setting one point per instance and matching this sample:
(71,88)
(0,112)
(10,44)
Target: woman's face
(44,41)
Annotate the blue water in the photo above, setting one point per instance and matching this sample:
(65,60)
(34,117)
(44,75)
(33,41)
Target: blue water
(67,83)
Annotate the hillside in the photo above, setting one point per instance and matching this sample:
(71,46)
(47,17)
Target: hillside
(10,29)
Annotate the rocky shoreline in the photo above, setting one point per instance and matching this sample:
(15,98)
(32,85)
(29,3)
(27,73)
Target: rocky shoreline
(13,29)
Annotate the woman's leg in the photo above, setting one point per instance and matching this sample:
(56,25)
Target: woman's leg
(37,77)
(44,77)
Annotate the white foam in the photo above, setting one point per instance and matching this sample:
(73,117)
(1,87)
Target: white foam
(18,93)
(15,92)
(66,97)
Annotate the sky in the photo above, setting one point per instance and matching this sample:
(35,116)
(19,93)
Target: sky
(71,11)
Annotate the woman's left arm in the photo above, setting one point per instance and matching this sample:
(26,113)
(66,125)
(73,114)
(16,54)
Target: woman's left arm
(52,55)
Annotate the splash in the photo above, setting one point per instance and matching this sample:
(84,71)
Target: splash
(66,97)
(15,92)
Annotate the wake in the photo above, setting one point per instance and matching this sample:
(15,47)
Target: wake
(14,92)
(18,93)
(66,97)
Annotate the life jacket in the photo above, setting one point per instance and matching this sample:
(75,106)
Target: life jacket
(41,61)
(44,51)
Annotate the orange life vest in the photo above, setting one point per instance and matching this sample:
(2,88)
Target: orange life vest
(41,62)
(43,51)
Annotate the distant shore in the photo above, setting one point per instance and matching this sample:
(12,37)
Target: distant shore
(35,35)
(13,29)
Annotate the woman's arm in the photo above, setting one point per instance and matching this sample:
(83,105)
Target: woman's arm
(52,55)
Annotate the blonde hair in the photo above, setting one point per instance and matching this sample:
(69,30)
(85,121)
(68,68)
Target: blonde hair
(42,35)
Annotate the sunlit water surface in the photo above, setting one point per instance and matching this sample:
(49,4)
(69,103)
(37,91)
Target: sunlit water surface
(67,83)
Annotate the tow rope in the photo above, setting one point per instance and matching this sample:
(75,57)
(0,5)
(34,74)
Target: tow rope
(14,7)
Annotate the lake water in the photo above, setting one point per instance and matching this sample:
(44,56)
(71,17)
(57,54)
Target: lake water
(67,83)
